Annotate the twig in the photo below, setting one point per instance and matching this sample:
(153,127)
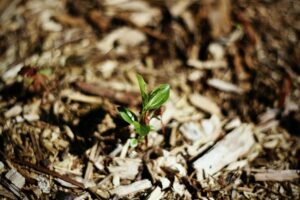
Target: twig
(128,98)
(50,172)
(14,189)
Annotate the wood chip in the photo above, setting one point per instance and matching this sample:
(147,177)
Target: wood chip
(69,132)
(16,178)
(126,168)
(178,188)
(90,167)
(224,86)
(234,145)
(171,163)
(77,96)
(1,167)
(205,104)
(233,124)
(135,187)
(125,149)
(277,175)
(156,194)
(179,7)
(31,117)
(107,68)
(190,131)
(124,35)
(211,64)
(14,111)
(165,182)
(12,72)
(209,130)
(216,50)
(43,184)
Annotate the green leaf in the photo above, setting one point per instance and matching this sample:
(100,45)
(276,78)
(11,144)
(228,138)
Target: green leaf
(140,138)
(133,142)
(27,81)
(46,71)
(158,97)
(143,89)
(152,128)
(127,115)
(141,129)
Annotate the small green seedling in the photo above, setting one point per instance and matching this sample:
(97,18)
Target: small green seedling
(151,108)
(36,80)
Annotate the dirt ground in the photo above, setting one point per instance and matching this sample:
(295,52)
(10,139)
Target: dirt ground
(231,126)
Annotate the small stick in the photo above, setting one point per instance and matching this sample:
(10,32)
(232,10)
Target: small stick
(50,172)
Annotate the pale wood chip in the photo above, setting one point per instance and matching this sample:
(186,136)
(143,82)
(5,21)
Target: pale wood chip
(191,131)
(234,145)
(267,126)
(205,104)
(178,188)
(16,178)
(224,86)
(237,165)
(236,122)
(135,187)
(13,111)
(12,72)
(165,182)
(116,151)
(209,130)
(65,183)
(270,114)
(125,149)
(211,64)
(124,35)
(179,7)
(126,168)
(69,132)
(107,68)
(1,167)
(216,50)
(90,167)
(156,194)
(44,184)
(31,117)
(171,162)
(77,96)
(277,175)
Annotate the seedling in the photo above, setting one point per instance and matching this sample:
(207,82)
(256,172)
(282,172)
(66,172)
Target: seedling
(35,80)
(151,108)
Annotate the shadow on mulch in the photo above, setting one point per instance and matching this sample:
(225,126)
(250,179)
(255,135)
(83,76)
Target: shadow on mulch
(291,122)
(84,130)
(15,90)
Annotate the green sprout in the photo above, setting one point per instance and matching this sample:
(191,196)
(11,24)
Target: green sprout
(151,108)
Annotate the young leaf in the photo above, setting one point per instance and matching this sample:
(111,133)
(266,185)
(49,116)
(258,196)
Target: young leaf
(47,72)
(140,138)
(127,115)
(158,97)
(143,89)
(133,142)
(141,129)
